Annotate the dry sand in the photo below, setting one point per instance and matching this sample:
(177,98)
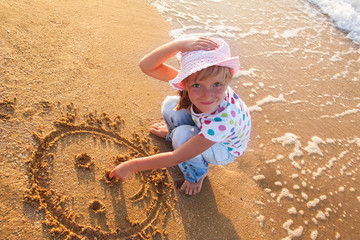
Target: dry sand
(72,97)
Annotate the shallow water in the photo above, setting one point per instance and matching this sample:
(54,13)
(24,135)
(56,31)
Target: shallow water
(225,18)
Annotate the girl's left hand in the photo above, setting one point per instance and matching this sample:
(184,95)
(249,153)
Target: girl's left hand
(195,43)
(121,171)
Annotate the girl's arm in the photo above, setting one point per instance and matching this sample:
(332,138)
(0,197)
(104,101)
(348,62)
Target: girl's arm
(188,150)
(153,64)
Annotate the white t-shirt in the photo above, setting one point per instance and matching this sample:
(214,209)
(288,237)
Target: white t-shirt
(229,124)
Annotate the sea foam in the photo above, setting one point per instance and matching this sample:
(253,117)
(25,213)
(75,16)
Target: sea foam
(344,13)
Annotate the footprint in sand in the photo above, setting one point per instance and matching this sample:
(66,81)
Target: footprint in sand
(7,108)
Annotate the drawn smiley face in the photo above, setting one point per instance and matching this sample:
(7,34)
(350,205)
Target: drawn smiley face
(68,183)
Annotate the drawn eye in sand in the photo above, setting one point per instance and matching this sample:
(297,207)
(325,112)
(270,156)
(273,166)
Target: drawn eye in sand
(68,183)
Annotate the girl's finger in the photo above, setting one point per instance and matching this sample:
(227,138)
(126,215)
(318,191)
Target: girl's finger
(208,43)
(111,175)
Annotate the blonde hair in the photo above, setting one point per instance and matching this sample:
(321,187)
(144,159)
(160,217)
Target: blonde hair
(211,71)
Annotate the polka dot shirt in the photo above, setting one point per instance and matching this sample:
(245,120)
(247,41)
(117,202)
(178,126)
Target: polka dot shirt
(229,124)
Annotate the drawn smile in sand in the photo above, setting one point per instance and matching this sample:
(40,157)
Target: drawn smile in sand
(82,201)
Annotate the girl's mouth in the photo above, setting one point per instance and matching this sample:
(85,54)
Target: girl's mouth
(206,103)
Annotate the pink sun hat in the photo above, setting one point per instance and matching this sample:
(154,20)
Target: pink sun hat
(194,61)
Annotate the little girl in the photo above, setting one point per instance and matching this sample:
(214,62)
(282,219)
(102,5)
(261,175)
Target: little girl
(207,122)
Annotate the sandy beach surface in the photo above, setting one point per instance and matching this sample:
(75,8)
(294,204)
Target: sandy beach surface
(73,102)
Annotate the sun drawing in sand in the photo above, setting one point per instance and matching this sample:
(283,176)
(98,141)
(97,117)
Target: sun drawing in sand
(83,202)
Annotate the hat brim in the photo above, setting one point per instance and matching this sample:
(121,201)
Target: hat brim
(232,63)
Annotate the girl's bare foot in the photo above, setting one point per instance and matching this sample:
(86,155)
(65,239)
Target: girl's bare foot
(159,129)
(192,188)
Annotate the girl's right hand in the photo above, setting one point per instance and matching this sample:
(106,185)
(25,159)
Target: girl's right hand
(121,171)
(195,43)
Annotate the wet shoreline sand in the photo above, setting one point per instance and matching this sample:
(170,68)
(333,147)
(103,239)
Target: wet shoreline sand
(70,62)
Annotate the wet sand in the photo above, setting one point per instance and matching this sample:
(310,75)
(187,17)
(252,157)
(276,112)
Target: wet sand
(73,102)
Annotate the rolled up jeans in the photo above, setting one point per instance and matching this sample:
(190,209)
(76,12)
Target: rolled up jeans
(182,128)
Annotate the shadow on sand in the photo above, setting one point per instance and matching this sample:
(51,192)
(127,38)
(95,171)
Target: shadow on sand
(200,216)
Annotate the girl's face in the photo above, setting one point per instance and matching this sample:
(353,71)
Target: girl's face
(206,94)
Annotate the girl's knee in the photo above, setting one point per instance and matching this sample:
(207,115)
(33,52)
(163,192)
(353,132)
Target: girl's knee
(168,105)
(182,134)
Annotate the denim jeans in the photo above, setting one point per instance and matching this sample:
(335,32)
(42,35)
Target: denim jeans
(182,128)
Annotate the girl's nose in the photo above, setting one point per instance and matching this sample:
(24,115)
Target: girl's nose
(207,92)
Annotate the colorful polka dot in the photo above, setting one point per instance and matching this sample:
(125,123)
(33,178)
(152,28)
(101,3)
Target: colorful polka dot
(217,119)
(211,132)
(222,128)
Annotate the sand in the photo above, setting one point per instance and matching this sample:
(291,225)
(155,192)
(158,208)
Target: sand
(73,103)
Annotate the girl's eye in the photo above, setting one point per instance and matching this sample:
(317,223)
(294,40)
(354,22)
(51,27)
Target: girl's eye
(217,84)
(196,85)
